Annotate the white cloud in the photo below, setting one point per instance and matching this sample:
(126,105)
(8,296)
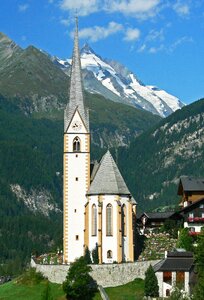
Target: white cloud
(168,49)
(181,8)
(154,50)
(65,22)
(132,34)
(155,35)
(23,7)
(97,33)
(138,8)
(180,41)
(142,48)
(82,7)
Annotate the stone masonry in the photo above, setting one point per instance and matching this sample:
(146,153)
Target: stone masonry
(106,275)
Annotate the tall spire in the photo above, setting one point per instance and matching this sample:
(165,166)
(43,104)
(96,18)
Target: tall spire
(76,99)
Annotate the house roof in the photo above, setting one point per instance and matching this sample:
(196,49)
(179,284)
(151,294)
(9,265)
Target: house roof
(190,184)
(108,179)
(157,215)
(179,254)
(191,206)
(76,99)
(175,261)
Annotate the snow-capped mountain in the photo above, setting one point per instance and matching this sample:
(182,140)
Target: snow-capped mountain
(116,82)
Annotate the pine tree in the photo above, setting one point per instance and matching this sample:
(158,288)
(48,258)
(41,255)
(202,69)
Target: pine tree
(95,255)
(79,285)
(87,256)
(185,241)
(151,283)
(199,259)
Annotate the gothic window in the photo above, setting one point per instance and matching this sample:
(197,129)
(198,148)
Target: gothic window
(109,254)
(94,220)
(124,220)
(109,220)
(76,144)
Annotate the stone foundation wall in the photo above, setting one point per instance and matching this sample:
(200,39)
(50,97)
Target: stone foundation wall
(106,275)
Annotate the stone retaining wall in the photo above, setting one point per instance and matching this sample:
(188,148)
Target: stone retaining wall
(106,275)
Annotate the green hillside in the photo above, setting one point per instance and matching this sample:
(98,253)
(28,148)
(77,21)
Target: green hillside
(156,159)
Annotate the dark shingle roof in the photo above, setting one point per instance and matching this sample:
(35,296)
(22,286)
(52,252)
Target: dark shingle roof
(191,206)
(175,264)
(191,184)
(175,261)
(157,215)
(180,254)
(108,179)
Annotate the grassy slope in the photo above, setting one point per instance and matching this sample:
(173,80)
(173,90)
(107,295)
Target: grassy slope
(12,290)
(130,291)
(9,291)
(15,291)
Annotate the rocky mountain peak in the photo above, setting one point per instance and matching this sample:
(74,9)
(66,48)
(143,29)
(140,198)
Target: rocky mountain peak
(86,49)
(119,84)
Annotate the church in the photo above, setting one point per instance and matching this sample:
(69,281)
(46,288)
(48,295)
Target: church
(98,210)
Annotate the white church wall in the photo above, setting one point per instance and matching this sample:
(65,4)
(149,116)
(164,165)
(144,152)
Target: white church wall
(77,177)
(76,190)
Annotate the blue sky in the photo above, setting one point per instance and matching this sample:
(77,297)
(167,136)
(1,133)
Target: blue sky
(161,41)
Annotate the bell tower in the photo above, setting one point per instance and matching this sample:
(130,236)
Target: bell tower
(76,162)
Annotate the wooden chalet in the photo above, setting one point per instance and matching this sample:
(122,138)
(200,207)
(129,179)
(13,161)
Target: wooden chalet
(193,216)
(190,189)
(148,222)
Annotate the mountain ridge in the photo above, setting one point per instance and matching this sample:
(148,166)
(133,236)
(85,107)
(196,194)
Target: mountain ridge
(122,84)
(170,149)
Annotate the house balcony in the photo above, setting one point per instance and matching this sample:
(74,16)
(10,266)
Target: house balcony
(195,220)
(193,233)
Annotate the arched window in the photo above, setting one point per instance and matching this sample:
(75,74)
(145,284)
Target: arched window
(124,220)
(109,220)
(94,220)
(109,254)
(76,144)
(167,293)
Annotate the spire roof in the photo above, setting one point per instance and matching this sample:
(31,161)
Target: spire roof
(76,99)
(108,179)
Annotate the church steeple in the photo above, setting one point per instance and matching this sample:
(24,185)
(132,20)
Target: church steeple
(76,99)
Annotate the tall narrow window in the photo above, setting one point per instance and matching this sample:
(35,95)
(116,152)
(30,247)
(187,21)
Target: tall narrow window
(94,220)
(109,220)
(76,144)
(124,220)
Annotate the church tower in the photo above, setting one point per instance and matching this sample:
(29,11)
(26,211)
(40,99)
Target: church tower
(76,162)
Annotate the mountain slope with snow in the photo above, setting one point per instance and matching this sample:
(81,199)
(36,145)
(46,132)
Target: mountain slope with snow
(117,83)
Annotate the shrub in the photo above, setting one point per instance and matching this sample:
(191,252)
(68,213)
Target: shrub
(30,277)
(151,283)
(79,285)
